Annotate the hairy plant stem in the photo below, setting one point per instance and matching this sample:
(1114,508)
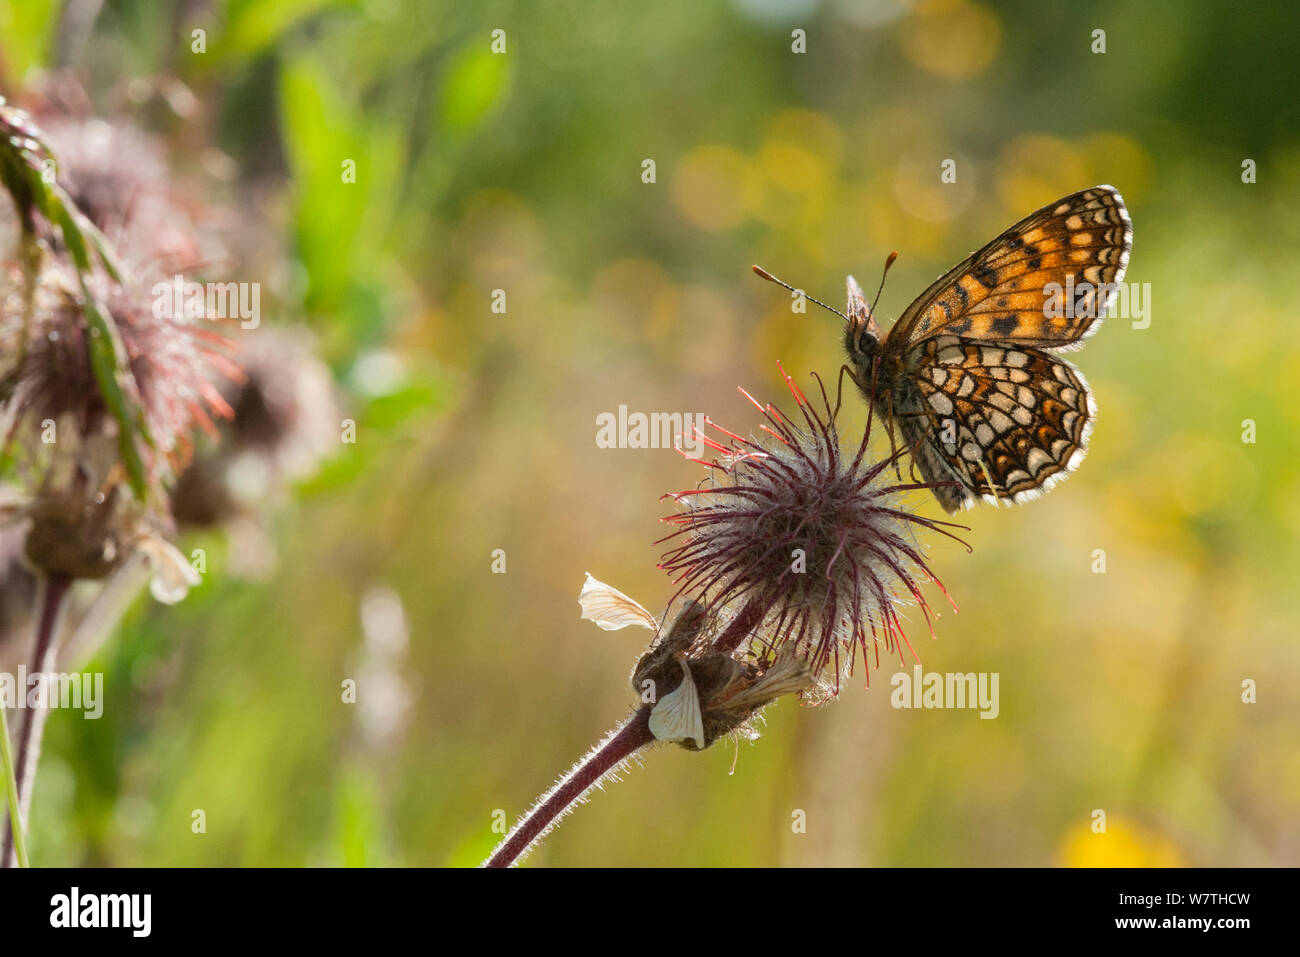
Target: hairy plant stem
(606,758)
(53,591)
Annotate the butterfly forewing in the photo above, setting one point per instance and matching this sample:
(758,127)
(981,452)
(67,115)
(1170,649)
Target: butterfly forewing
(1005,291)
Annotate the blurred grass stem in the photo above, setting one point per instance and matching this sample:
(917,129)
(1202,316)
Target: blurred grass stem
(53,592)
(11,790)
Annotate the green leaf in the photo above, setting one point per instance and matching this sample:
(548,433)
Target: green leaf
(475,82)
(106,362)
(253,25)
(339,224)
(28,30)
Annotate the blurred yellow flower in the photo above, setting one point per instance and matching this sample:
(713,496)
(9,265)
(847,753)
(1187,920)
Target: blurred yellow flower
(808,130)
(1119,160)
(1124,844)
(793,167)
(712,186)
(797,184)
(1036,168)
(923,194)
(955,39)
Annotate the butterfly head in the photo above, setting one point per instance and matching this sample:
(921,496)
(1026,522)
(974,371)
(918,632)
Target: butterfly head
(861,334)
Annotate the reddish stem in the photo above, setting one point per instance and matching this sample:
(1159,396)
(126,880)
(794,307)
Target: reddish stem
(749,618)
(632,737)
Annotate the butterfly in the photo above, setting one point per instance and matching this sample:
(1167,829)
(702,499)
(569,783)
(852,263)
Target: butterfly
(966,374)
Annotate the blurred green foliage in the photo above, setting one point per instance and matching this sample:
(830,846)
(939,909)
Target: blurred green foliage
(522,171)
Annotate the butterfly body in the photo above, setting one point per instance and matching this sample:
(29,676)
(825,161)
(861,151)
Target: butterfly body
(889,380)
(966,376)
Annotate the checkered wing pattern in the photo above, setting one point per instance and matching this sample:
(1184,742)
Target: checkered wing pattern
(1004,422)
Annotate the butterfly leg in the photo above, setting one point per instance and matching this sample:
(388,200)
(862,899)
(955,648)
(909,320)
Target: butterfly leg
(894,448)
(915,450)
(839,390)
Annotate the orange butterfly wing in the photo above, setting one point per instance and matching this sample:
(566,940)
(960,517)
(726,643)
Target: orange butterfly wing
(1005,291)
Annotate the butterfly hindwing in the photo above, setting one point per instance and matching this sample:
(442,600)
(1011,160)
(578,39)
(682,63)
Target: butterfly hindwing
(1007,421)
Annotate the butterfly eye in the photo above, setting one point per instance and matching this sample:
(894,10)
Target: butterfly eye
(861,336)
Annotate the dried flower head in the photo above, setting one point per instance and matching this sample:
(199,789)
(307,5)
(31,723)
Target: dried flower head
(118,176)
(702,694)
(85,350)
(172,362)
(84,523)
(797,550)
(793,557)
(285,408)
(285,423)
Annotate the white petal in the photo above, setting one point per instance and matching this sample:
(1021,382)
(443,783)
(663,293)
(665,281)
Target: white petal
(610,609)
(789,674)
(172,575)
(677,716)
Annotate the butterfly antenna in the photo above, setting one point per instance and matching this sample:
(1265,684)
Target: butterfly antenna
(770,278)
(889,261)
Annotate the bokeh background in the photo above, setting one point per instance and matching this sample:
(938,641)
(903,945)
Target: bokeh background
(522,171)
